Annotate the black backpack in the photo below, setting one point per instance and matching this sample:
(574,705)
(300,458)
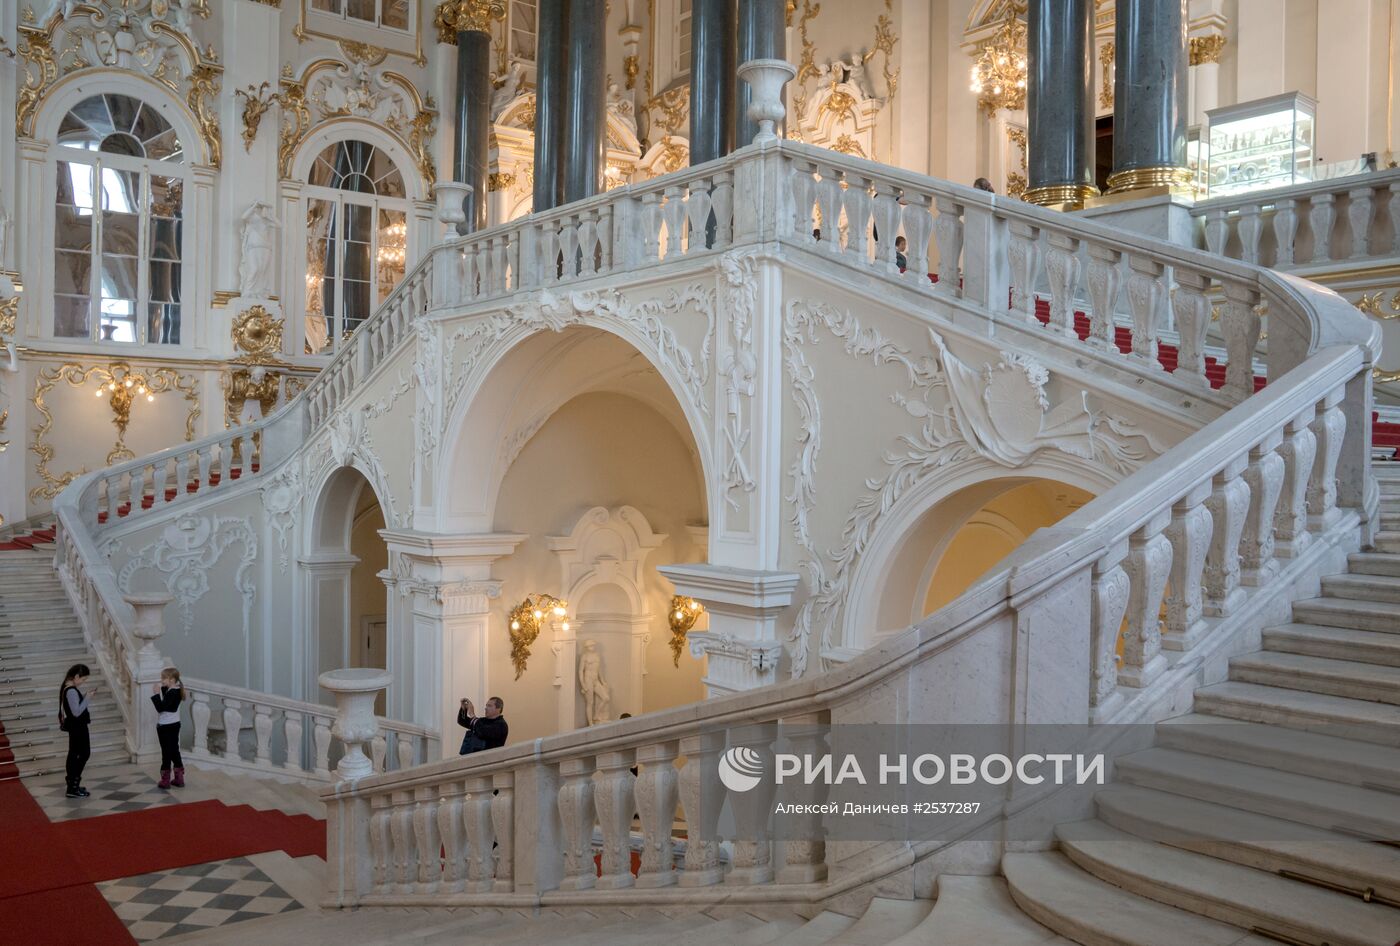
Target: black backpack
(62,716)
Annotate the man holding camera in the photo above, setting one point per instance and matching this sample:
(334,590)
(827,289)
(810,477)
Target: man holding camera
(487,731)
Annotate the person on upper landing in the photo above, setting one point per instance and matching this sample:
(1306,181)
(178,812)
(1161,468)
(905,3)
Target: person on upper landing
(487,731)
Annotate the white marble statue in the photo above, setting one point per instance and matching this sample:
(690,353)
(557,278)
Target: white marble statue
(620,103)
(597,698)
(255,267)
(510,85)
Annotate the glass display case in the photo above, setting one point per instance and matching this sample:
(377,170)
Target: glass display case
(1262,144)
(1197,160)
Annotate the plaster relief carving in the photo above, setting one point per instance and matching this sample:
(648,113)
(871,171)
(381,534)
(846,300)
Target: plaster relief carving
(281,496)
(740,288)
(188,548)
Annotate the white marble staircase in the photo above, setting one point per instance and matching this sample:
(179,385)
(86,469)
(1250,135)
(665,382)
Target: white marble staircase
(40,638)
(1270,814)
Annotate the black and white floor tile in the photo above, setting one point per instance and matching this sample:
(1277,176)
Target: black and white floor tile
(189,899)
(126,789)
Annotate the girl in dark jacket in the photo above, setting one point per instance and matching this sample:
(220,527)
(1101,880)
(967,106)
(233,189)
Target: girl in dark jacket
(75,715)
(167,696)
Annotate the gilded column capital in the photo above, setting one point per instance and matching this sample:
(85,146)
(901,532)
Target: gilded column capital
(1206,48)
(460,16)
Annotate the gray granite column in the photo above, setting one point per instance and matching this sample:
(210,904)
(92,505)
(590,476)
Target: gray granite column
(1150,96)
(1060,103)
(473,121)
(550,78)
(712,79)
(762,35)
(585,102)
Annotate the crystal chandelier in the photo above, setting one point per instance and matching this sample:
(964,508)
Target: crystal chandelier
(999,74)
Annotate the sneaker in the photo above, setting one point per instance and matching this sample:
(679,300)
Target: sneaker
(83,792)
(73,793)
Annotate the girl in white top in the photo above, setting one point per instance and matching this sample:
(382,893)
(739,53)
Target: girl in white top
(167,696)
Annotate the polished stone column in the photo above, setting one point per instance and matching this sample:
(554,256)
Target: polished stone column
(585,102)
(762,35)
(711,79)
(1150,96)
(1060,103)
(550,78)
(473,112)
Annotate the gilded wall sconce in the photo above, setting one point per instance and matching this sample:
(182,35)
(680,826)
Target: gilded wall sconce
(682,617)
(526,619)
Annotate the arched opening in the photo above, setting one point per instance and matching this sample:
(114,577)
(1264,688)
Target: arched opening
(345,595)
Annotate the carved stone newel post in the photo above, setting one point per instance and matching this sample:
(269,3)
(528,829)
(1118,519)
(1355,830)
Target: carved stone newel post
(355,723)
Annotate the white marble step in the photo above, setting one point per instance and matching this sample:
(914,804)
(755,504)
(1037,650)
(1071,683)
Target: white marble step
(1341,612)
(1299,709)
(977,910)
(1362,587)
(1346,678)
(1373,563)
(1353,810)
(1338,643)
(642,927)
(884,920)
(1256,841)
(1079,906)
(1387,541)
(1290,750)
(1231,893)
(820,930)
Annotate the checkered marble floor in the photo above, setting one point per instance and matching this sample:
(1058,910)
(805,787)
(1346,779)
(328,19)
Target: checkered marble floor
(189,899)
(115,790)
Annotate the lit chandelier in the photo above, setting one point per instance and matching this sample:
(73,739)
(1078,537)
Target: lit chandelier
(999,74)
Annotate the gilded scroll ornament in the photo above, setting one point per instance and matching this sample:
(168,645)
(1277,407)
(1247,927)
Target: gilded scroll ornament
(203,98)
(1106,53)
(40,68)
(1374,305)
(256,101)
(257,333)
(629,69)
(420,134)
(1206,49)
(249,384)
(296,122)
(681,618)
(500,181)
(526,620)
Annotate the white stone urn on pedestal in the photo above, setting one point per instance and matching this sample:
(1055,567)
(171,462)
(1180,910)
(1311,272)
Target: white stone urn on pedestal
(451,195)
(355,690)
(148,628)
(766,77)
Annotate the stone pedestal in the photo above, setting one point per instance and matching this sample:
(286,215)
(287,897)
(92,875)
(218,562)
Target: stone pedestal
(1162,215)
(355,691)
(147,628)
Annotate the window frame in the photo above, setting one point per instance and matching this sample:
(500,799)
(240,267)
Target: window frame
(410,27)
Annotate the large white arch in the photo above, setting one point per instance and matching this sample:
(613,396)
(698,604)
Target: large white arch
(69,91)
(348,128)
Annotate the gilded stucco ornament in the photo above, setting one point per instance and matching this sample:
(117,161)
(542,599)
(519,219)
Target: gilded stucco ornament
(257,334)
(1206,49)
(460,16)
(256,102)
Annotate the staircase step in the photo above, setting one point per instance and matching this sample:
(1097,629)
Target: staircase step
(1253,840)
(1220,890)
(1362,587)
(977,910)
(1374,563)
(1346,678)
(883,920)
(1349,809)
(1299,709)
(818,931)
(1340,612)
(1077,905)
(1387,541)
(1336,643)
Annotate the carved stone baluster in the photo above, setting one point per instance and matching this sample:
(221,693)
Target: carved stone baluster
(804,847)
(158,476)
(1239,321)
(1251,229)
(321,735)
(1285,231)
(605,238)
(425,835)
(1229,505)
(1189,533)
(405,871)
(1024,255)
(476,812)
(1062,272)
(182,476)
(379,751)
(291,737)
(697,213)
(1321,217)
(1329,427)
(1217,230)
(1110,603)
(138,489)
(205,458)
(450,830)
(887,222)
(948,233)
(262,729)
(569,246)
(1192,311)
(1265,478)
(752,861)
(657,794)
(1145,292)
(1148,565)
(722,203)
(233,724)
(199,716)
(651,217)
(858,202)
(1104,279)
(498,263)
(1291,518)
(803,200)
(403,750)
(829,202)
(702,796)
(613,799)
(918,224)
(503,821)
(380,845)
(576,817)
(1359,213)
(674,213)
(588,242)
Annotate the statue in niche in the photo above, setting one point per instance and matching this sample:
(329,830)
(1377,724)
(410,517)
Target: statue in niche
(597,698)
(255,267)
(620,104)
(508,87)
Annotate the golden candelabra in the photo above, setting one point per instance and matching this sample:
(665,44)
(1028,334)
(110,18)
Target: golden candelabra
(682,617)
(526,619)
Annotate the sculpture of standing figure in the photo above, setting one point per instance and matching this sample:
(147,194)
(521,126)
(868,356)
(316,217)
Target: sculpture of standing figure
(255,267)
(597,698)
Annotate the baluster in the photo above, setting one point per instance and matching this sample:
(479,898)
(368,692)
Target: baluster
(948,233)
(651,215)
(657,794)
(481,252)
(450,829)
(1110,603)
(1025,268)
(702,796)
(613,798)
(1291,518)
(467,284)
(1329,427)
(1062,270)
(1241,326)
(199,716)
(1217,230)
(858,203)
(138,490)
(1145,300)
(1251,228)
(1265,479)
(803,200)
(321,735)
(918,224)
(498,264)
(588,242)
(401,831)
(722,201)
(1104,279)
(829,203)
(697,215)
(379,746)
(1192,311)
(158,477)
(404,750)
(182,475)
(606,236)
(233,725)
(673,211)
(425,836)
(752,861)
(576,815)
(1190,536)
(804,861)
(379,844)
(1321,217)
(1359,213)
(503,821)
(291,734)
(206,459)
(1285,231)
(262,728)
(887,222)
(1148,565)
(1228,504)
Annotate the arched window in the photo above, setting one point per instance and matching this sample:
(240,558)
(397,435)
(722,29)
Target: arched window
(356,239)
(118,223)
